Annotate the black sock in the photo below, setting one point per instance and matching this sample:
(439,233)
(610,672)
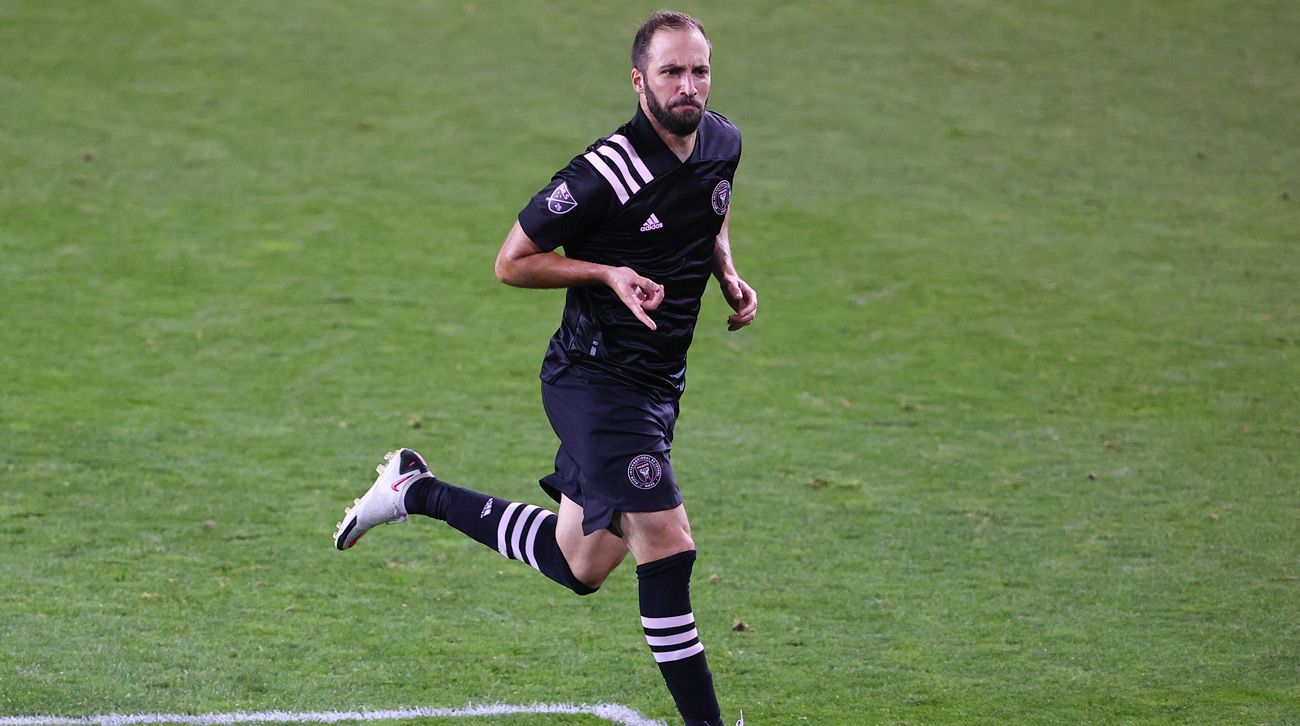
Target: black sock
(669,624)
(428,498)
(523,532)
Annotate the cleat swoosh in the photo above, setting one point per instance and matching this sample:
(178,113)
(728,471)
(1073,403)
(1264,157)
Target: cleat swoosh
(403,480)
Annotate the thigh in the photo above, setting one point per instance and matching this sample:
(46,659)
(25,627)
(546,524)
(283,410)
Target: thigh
(590,556)
(616,450)
(655,535)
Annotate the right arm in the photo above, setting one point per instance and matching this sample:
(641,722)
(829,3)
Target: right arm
(521,263)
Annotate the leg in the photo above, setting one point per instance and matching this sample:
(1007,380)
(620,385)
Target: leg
(655,535)
(591,557)
(664,552)
(518,531)
(616,456)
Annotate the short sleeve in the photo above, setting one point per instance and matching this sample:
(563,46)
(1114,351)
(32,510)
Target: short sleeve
(567,209)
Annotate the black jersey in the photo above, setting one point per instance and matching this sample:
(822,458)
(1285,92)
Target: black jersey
(629,202)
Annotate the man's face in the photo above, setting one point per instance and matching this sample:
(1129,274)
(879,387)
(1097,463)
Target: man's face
(675,80)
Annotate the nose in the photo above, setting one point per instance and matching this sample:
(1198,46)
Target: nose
(687,87)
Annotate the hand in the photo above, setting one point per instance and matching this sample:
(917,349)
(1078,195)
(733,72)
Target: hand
(638,293)
(742,299)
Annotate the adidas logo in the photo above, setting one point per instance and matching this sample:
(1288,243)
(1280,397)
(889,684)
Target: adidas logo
(652,223)
(487,509)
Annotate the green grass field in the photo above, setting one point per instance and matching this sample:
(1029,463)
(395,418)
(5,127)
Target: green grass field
(1015,439)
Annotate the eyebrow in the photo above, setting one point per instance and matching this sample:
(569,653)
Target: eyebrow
(678,66)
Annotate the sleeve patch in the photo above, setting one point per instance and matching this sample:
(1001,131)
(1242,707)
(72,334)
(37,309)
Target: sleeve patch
(561,201)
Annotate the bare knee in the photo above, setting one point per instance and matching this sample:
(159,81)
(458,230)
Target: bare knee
(655,535)
(591,557)
(592,572)
(669,542)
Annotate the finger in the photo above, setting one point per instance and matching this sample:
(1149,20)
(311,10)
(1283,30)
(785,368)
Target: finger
(652,295)
(648,294)
(640,314)
(741,318)
(741,296)
(745,315)
(736,322)
(636,306)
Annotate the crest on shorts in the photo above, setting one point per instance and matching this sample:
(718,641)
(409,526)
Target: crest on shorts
(722,197)
(562,201)
(644,472)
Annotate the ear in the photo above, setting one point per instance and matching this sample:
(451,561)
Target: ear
(638,80)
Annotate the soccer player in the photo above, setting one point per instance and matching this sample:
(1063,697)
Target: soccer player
(642,216)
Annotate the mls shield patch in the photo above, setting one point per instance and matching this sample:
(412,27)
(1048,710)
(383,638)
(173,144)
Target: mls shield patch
(644,472)
(561,200)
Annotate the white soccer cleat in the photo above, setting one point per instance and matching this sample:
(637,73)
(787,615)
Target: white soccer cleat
(385,502)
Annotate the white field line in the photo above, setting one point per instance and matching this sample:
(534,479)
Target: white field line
(611,712)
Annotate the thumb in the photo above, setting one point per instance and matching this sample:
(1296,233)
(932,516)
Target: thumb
(734,292)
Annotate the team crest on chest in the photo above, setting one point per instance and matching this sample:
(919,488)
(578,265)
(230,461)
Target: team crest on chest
(644,472)
(562,201)
(722,197)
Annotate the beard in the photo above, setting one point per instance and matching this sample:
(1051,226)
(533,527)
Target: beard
(680,118)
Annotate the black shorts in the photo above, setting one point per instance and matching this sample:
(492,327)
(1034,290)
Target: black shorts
(615,448)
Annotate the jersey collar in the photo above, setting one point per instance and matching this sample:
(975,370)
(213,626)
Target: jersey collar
(656,154)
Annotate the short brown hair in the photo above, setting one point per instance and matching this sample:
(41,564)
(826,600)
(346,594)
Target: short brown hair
(662,19)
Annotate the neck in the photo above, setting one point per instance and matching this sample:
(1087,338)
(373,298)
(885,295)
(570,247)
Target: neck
(681,146)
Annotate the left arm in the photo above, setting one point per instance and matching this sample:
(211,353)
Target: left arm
(740,296)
